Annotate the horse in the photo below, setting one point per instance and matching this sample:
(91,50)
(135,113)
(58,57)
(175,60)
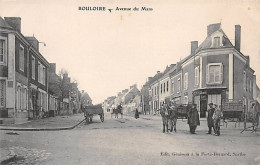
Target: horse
(172,117)
(116,111)
(165,117)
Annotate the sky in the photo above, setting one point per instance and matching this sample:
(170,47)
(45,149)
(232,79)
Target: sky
(108,52)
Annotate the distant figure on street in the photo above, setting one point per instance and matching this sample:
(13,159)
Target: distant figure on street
(216,119)
(193,118)
(136,114)
(209,118)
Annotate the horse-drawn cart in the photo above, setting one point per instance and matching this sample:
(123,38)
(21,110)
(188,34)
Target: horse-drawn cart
(182,110)
(90,111)
(232,110)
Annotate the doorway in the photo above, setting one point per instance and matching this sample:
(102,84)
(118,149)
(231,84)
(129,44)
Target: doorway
(203,108)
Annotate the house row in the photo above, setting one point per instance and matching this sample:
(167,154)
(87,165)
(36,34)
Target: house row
(129,99)
(29,85)
(213,71)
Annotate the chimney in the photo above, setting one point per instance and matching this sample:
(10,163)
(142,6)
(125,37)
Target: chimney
(14,22)
(53,67)
(248,60)
(35,43)
(178,66)
(212,28)
(82,91)
(158,72)
(194,46)
(172,65)
(237,37)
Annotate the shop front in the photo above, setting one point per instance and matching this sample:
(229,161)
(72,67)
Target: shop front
(202,97)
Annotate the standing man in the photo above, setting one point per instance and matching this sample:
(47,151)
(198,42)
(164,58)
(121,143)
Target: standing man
(209,118)
(193,118)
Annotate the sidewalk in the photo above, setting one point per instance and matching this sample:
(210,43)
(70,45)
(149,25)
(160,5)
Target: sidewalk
(51,123)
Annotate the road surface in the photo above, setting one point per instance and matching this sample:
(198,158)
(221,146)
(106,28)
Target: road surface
(132,141)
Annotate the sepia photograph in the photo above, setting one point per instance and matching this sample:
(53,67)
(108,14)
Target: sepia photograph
(130,82)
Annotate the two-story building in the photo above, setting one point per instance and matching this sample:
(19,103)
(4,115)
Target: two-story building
(154,93)
(216,70)
(22,70)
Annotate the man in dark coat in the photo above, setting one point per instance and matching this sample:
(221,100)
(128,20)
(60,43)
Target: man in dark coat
(209,118)
(136,114)
(193,118)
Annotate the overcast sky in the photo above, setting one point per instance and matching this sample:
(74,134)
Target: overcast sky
(107,52)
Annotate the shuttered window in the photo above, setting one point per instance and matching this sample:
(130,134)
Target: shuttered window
(21,58)
(2,93)
(2,46)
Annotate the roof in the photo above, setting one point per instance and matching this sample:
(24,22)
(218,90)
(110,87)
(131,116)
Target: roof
(4,24)
(169,71)
(207,43)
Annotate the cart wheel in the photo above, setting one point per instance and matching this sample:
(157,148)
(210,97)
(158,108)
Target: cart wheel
(102,118)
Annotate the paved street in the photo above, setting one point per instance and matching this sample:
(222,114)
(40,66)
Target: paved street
(132,141)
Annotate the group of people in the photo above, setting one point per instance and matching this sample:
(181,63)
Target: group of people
(213,118)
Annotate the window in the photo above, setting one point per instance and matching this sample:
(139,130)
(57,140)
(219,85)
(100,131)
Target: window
(33,68)
(21,58)
(197,76)
(247,84)
(18,97)
(214,73)
(2,50)
(244,80)
(167,86)
(155,91)
(2,93)
(216,42)
(185,81)
(164,87)
(43,75)
(179,85)
(251,86)
(39,72)
(173,87)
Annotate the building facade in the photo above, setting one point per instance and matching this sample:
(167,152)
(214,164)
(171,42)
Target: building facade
(23,75)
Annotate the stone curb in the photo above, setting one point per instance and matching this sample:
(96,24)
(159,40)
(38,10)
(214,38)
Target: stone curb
(41,129)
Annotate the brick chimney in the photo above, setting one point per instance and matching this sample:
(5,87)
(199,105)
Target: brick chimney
(53,67)
(237,37)
(35,43)
(14,22)
(193,47)
(212,28)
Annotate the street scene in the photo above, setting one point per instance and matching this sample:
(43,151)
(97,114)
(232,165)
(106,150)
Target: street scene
(132,83)
(130,141)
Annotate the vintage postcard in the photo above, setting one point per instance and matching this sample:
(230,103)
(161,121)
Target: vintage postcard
(130,82)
